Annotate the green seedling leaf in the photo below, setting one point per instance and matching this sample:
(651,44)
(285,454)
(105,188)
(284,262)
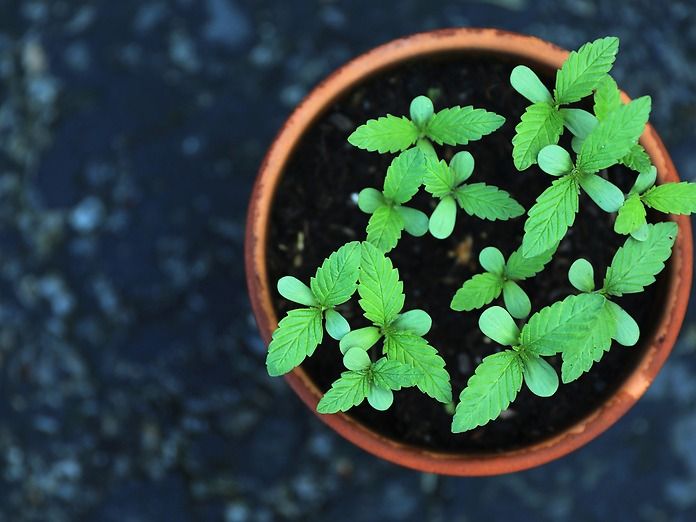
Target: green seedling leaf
(336,325)
(550,217)
(415,222)
(520,268)
(539,376)
(440,180)
(427,149)
(364,338)
(487,202)
(562,326)
(631,215)
(496,323)
(416,321)
(637,159)
(627,331)
(380,398)
(614,136)
(516,300)
(581,275)
(528,84)
(384,228)
(490,390)
(297,336)
(370,199)
(443,218)
(386,134)
(584,69)
(607,97)
(636,263)
(404,176)
(580,357)
(349,390)
(462,166)
(541,125)
(415,351)
(356,359)
(394,375)
(605,194)
(645,180)
(492,260)
(337,278)
(460,125)
(421,111)
(555,160)
(641,234)
(381,292)
(579,122)
(672,198)
(296,291)
(477,292)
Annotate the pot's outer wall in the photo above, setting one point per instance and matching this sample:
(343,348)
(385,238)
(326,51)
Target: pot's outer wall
(529,50)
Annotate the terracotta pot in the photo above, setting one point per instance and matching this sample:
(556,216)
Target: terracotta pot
(528,50)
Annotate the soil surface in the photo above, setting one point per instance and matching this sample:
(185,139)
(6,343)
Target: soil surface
(315,212)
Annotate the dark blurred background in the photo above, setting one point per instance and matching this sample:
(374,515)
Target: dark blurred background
(132,380)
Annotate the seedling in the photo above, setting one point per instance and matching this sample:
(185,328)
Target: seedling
(391,352)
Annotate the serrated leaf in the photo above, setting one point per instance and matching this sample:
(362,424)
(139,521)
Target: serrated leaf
(550,217)
(386,134)
(637,159)
(477,292)
(404,176)
(519,268)
(614,136)
(384,228)
(607,97)
(381,292)
(487,202)
(579,358)
(516,300)
(460,125)
(490,390)
(636,263)
(415,222)
(415,351)
(337,278)
(582,71)
(438,178)
(672,198)
(443,218)
(394,375)
(561,326)
(296,291)
(297,336)
(349,390)
(527,83)
(541,125)
(631,215)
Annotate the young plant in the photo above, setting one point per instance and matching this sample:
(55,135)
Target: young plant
(447,183)
(634,266)
(543,121)
(453,126)
(498,379)
(555,209)
(501,277)
(389,215)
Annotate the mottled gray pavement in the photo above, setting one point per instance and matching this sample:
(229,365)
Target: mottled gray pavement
(131,374)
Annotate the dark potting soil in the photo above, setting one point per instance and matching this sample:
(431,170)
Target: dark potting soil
(315,212)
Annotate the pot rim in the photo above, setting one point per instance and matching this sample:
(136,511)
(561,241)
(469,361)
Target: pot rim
(527,49)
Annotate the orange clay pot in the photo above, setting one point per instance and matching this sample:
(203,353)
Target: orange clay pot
(543,56)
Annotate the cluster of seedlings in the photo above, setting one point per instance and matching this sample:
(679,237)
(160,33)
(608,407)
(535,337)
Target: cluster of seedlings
(579,328)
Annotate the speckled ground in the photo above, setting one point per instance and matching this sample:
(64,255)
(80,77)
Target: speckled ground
(131,374)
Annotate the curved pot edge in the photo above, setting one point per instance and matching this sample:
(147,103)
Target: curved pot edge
(529,49)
